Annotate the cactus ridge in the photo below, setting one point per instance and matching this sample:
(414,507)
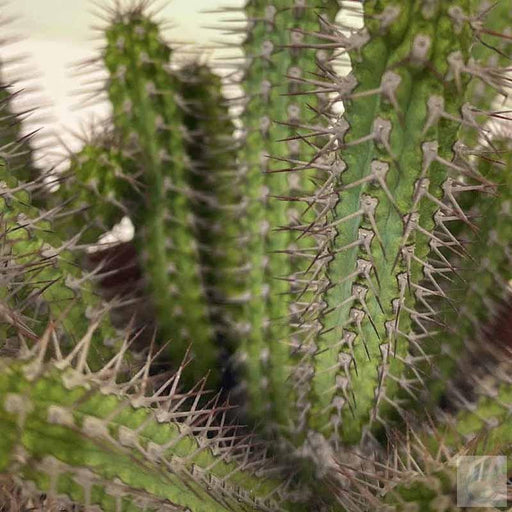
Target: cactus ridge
(274,46)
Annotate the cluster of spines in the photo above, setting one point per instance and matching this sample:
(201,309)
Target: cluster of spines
(117,444)
(418,467)
(423,470)
(41,279)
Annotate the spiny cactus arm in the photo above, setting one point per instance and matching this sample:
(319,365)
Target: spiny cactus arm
(493,52)
(391,170)
(215,194)
(144,95)
(275,47)
(52,280)
(482,287)
(117,447)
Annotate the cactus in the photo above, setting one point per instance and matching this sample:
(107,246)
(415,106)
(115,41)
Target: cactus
(213,182)
(89,438)
(353,266)
(390,174)
(273,112)
(99,187)
(40,279)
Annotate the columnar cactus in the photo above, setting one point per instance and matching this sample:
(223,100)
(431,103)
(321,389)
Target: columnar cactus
(398,176)
(276,47)
(215,197)
(349,263)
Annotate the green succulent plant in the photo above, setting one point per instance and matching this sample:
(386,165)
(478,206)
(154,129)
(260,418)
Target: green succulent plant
(343,274)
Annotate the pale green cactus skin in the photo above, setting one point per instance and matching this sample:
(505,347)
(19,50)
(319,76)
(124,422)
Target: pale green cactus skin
(82,436)
(274,249)
(144,95)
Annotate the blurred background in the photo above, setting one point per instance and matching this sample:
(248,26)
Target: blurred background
(56,34)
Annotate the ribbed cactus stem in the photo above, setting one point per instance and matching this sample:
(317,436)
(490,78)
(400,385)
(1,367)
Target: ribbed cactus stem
(483,288)
(215,194)
(275,48)
(145,97)
(393,193)
(80,436)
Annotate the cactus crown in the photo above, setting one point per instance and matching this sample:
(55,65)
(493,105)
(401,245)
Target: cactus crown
(308,316)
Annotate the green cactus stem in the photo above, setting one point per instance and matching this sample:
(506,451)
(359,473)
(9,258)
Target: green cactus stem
(275,47)
(215,196)
(393,192)
(483,288)
(144,93)
(79,435)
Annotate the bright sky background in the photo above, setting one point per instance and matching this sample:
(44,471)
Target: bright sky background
(58,33)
